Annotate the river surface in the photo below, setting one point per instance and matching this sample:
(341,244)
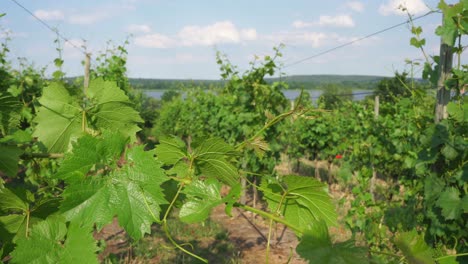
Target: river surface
(290,94)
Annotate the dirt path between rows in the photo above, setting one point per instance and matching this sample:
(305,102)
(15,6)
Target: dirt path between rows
(249,232)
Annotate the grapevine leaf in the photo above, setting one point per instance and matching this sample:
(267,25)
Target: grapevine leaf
(20,214)
(171,150)
(464,203)
(13,200)
(89,201)
(449,152)
(414,248)
(210,158)
(232,197)
(220,169)
(9,113)
(317,247)
(448,260)
(202,197)
(91,152)
(450,203)
(132,193)
(213,147)
(112,109)
(259,145)
(9,158)
(80,246)
(62,119)
(51,242)
(58,119)
(301,200)
(458,112)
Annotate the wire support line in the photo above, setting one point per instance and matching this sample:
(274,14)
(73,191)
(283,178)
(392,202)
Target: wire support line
(54,30)
(357,40)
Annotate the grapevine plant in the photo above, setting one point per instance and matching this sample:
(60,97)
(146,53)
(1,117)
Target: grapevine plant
(99,173)
(71,162)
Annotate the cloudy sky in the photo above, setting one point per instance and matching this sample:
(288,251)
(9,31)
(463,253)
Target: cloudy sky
(179,38)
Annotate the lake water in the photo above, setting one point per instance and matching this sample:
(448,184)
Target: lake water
(290,94)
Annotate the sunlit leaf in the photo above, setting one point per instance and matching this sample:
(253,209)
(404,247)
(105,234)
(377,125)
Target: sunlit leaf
(62,119)
(301,200)
(51,241)
(317,247)
(414,248)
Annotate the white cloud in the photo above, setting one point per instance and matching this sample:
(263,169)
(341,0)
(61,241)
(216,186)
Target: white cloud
(248,34)
(219,32)
(134,28)
(314,39)
(49,14)
(332,21)
(87,19)
(302,24)
(193,35)
(336,21)
(355,6)
(155,41)
(393,7)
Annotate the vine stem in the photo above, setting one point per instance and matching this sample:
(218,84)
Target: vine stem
(269,216)
(270,228)
(28,213)
(451,256)
(29,155)
(385,253)
(166,229)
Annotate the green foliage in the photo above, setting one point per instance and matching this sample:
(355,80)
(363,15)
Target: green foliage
(131,191)
(414,248)
(391,89)
(53,241)
(63,118)
(210,158)
(333,97)
(49,208)
(9,113)
(316,246)
(9,159)
(202,197)
(302,201)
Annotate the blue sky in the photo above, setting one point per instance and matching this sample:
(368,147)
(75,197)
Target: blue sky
(179,38)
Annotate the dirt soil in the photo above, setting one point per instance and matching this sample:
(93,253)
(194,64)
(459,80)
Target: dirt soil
(249,232)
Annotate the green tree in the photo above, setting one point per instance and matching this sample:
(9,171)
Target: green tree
(391,89)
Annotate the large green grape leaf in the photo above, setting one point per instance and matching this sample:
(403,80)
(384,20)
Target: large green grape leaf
(51,241)
(451,204)
(202,197)
(132,193)
(9,158)
(59,119)
(211,158)
(9,113)
(458,112)
(171,150)
(301,200)
(63,118)
(18,212)
(111,109)
(317,247)
(91,152)
(414,248)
